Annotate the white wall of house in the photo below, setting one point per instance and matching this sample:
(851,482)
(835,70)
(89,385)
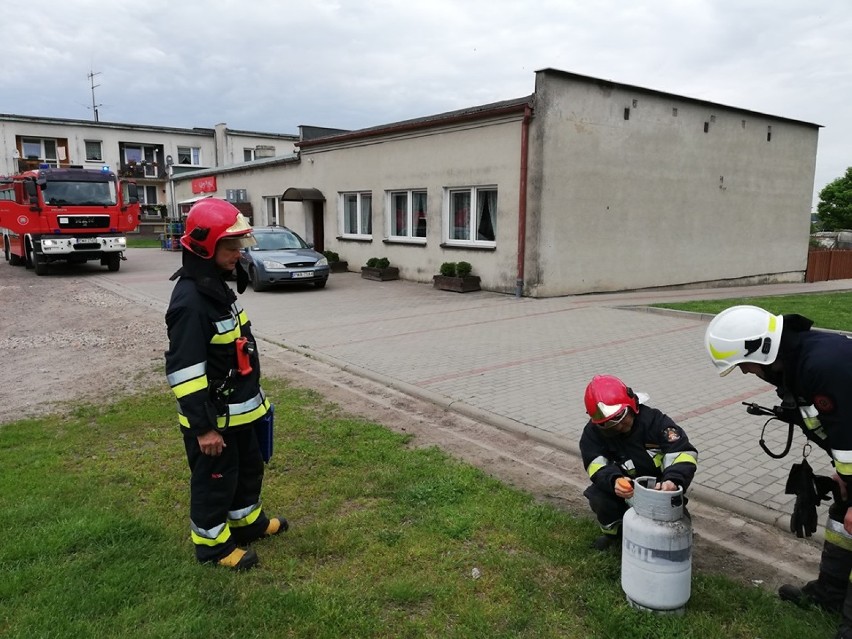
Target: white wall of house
(484,154)
(654,200)
(77,134)
(626,190)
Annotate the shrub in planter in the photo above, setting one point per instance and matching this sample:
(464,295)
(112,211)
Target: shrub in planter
(448,269)
(456,276)
(379,269)
(335,264)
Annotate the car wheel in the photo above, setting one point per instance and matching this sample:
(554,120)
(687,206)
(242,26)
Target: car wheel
(256,284)
(321,283)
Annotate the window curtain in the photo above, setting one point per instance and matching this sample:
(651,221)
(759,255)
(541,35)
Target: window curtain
(486,215)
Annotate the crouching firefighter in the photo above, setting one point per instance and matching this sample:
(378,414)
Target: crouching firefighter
(625,439)
(812,372)
(212,367)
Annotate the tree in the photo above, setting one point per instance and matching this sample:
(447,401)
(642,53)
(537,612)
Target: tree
(835,204)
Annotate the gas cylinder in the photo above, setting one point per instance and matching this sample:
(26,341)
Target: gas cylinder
(656,549)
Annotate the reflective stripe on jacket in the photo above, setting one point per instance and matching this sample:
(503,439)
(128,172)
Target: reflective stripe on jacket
(204,320)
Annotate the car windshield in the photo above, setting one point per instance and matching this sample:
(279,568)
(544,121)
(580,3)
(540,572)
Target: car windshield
(277,241)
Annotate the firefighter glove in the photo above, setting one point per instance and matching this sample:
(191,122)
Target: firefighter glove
(801,483)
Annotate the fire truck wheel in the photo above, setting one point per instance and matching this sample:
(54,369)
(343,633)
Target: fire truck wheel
(113,261)
(39,263)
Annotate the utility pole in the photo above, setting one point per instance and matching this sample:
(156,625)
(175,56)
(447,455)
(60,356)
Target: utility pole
(91,77)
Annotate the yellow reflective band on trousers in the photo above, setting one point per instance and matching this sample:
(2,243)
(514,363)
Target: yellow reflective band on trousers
(836,534)
(842,461)
(244,516)
(210,537)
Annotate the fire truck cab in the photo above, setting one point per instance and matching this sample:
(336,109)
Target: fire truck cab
(66,214)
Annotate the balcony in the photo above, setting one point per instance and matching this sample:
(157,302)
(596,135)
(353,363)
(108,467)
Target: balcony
(141,171)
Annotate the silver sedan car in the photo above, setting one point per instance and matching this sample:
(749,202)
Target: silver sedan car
(281,257)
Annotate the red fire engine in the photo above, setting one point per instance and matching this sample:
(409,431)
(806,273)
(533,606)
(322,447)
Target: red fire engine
(71,214)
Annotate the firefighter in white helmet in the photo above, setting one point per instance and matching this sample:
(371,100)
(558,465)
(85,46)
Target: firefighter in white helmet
(812,372)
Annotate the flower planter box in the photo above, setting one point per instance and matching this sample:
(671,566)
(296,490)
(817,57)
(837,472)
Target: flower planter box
(456,284)
(380,274)
(339,267)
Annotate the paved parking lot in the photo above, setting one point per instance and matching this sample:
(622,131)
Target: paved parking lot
(522,364)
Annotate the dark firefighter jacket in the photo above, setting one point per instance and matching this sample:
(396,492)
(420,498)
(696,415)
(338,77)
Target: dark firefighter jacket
(817,370)
(204,320)
(654,447)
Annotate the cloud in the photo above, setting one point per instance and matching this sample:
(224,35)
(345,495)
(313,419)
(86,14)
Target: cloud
(271,65)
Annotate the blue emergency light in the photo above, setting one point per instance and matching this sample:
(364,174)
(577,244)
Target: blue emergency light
(105,169)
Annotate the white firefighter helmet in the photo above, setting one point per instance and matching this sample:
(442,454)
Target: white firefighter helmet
(742,334)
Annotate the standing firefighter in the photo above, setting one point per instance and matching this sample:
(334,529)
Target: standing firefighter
(812,373)
(220,402)
(625,439)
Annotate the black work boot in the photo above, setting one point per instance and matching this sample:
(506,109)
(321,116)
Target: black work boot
(810,595)
(605,542)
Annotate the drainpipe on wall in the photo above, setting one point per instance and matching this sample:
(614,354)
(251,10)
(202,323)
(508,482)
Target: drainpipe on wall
(522,202)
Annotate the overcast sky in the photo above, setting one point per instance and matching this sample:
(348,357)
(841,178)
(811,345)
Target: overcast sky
(269,66)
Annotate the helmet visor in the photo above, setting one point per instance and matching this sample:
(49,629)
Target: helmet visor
(238,242)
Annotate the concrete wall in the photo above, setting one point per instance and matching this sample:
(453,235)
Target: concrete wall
(654,200)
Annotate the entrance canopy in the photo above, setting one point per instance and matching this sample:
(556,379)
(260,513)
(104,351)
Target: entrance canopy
(297,194)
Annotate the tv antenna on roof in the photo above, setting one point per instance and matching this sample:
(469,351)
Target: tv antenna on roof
(91,77)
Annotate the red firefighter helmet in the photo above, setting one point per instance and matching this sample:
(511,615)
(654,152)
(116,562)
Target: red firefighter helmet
(211,220)
(607,396)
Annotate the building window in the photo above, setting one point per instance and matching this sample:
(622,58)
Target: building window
(271,206)
(189,155)
(248,155)
(147,194)
(94,152)
(407,214)
(356,214)
(40,149)
(471,216)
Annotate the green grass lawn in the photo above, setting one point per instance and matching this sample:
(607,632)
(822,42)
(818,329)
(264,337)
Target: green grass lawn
(134,241)
(827,310)
(383,542)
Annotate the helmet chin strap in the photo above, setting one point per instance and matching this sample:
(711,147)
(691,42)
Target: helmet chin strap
(242,278)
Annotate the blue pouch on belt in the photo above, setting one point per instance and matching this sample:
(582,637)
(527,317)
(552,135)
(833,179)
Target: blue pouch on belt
(264,429)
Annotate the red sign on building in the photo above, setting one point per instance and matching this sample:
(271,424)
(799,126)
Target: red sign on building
(204,184)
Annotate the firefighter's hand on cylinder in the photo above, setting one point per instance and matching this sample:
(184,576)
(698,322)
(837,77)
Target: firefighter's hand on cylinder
(211,443)
(623,488)
(847,521)
(666,485)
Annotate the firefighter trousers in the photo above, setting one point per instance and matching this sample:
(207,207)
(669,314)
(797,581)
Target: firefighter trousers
(225,508)
(608,508)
